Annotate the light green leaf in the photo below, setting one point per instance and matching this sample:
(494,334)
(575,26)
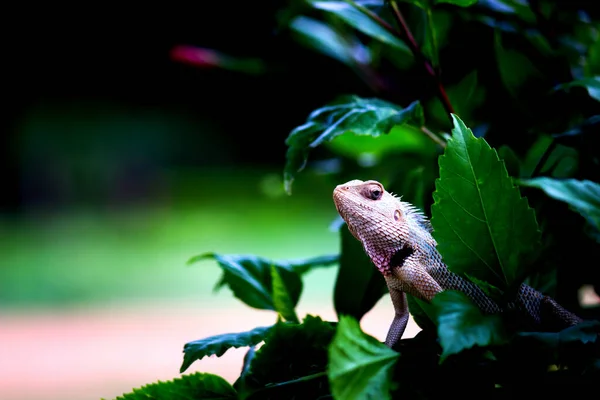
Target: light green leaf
(482,225)
(249,277)
(592,84)
(284,305)
(461,324)
(371,117)
(194,386)
(219,344)
(360,367)
(582,195)
(359,20)
(359,285)
(460,3)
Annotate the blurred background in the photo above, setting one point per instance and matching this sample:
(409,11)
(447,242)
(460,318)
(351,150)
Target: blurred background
(120,161)
(135,138)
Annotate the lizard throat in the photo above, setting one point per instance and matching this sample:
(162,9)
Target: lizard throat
(386,264)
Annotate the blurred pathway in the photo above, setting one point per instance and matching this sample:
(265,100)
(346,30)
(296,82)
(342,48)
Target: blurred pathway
(93,353)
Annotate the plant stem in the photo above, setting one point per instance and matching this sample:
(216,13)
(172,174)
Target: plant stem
(279,384)
(408,37)
(433,136)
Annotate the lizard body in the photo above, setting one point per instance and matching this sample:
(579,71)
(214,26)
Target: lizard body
(397,238)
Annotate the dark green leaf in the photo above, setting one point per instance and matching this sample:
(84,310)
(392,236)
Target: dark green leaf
(281,298)
(360,367)
(290,362)
(359,285)
(194,386)
(574,347)
(359,20)
(592,84)
(372,117)
(250,278)
(219,344)
(466,96)
(515,68)
(582,195)
(422,312)
(461,325)
(482,225)
(460,3)
(323,38)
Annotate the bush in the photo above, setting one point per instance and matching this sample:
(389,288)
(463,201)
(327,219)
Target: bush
(526,77)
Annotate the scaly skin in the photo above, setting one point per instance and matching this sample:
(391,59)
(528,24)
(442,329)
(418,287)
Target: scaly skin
(397,238)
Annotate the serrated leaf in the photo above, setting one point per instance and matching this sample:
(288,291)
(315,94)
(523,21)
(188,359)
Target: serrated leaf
(249,277)
(359,285)
(460,3)
(361,116)
(482,225)
(217,345)
(462,325)
(582,195)
(281,299)
(198,386)
(360,367)
(360,21)
(292,353)
(591,84)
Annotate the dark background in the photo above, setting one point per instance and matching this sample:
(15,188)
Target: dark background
(76,61)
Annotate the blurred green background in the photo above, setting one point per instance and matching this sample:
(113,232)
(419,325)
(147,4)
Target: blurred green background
(119,163)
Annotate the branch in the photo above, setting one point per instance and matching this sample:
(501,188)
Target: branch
(408,37)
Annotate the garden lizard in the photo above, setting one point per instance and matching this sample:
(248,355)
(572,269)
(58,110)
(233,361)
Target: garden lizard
(397,238)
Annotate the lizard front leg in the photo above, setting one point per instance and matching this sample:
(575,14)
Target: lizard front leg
(416,280)
(400,317)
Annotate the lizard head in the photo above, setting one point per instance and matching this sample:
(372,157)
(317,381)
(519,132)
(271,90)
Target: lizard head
(386,226)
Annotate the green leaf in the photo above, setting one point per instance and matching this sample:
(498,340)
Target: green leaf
(360,21)
(575,347)
(284,305)
(466,96)
(371,117)
(194,386)
(401,139)
(482,225)
(219,344)
(360,366)
(460,3)
(422,312)
(291,361)
(461,324)
(250,279)
(515,68)
(581,195)
(359,285)
(592,84)
(322,38)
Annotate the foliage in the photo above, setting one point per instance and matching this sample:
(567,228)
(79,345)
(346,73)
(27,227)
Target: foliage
(524,76)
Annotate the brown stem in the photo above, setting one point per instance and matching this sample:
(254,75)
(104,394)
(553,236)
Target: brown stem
(408,37)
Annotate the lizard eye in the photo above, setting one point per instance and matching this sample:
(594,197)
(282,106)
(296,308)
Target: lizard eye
(375,193)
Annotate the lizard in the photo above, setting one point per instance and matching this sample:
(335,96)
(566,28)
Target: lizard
(398,239)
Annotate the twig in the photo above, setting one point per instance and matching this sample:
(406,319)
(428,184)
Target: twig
(433,136)
(416,50)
